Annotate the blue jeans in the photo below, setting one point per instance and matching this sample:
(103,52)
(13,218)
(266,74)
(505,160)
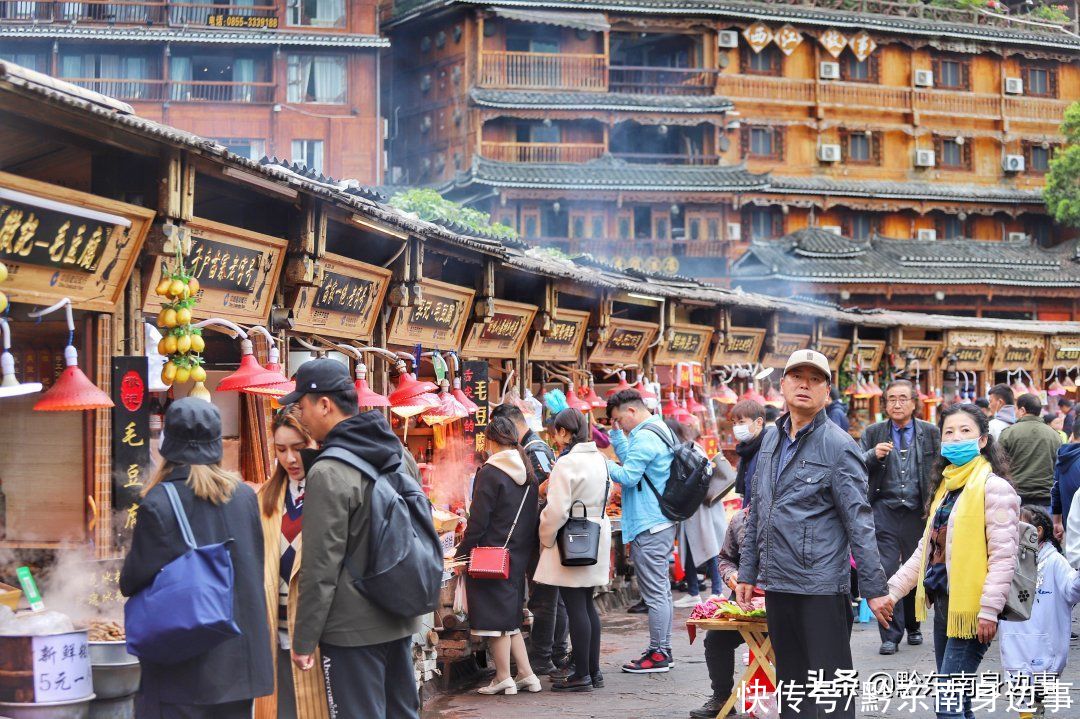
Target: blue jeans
(953,656)
(712,569)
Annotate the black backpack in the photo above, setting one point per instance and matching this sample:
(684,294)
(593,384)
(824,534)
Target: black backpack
(405,560)
(688,483)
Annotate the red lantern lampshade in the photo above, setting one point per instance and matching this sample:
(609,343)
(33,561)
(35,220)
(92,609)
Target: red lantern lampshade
(694,406)
(365,396)
(754,396)
(250,374)
(670,407)
(874,388)
(590,396)
(623,384)
(73,390)
(408,387)
(682,414)
(463,398)
(414,405)
(773,398)
(279,389)
(574,401)
(643,391)
(726,395)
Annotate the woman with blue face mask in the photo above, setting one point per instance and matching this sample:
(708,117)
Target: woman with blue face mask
(964,563)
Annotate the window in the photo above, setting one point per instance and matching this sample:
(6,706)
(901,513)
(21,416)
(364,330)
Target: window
(538,132)
(766,223)
(1040,80)
(860,226)
(317,78)
(529,39)
(861,147)
(251,149)
(952,73)
(767,62)
(1041,231)
(953,154)
(763,142)
(1037,156)
(951,227)
(317,13)
(598,232)
(624,228)
(642,223)
(308,153)
(110,73)
(30,60)
(554,223)
(852,69)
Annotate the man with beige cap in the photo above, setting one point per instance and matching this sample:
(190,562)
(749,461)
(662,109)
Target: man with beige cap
(809,514)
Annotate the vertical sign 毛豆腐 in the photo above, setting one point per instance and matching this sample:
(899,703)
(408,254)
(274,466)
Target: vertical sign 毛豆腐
(130,438)
(474,381)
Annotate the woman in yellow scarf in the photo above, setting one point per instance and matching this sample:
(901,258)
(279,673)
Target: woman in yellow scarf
(964,563)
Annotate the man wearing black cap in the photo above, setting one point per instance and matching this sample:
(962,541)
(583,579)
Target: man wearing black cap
(367,652)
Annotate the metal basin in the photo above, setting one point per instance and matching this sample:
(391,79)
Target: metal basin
(110,653)
(116,680)
(78,709)
(123,708)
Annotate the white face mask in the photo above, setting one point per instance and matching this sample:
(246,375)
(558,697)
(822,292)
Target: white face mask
(743,432)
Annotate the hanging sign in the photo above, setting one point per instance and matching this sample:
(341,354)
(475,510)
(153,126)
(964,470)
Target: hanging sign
(237,271)
(833,41)
(437,320)
(1062,350)
(475,385)
(925,355)
(862,45)
(972,349)
(504,335)
(626,342)
(130,438)
(1018,351)
(785,345)
(563,344)
(870,354)
(58,243)
(688,343)
(346,303)
(834,349)
(741,345)
(788,38)
(758,36)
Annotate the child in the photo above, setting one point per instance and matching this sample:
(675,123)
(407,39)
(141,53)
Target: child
(1041,644)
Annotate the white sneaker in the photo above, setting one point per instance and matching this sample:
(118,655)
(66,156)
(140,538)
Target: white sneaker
(688,601)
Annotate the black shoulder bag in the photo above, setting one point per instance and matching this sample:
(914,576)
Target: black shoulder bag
(579,539)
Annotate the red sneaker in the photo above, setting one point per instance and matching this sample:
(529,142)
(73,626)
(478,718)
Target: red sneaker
(653,661)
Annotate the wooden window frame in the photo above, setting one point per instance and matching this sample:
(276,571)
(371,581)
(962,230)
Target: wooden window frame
(965,155)
(1029,166)
(965,73)
(939,226)
(847,224)
(777,143)
(873,64)
(1052,86)
(875,148)
(777,222)
(776,68)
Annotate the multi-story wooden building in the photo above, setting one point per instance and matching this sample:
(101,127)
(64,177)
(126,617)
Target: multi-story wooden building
(670,134)
(295,79)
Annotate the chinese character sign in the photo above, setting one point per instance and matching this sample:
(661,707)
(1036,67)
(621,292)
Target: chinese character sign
(788,38)
(435,319)
(130,437)
(503,335)
(62,668)
(346,303)
(475,384)
(758,36)
(862,45)
(563,342)
(833,41)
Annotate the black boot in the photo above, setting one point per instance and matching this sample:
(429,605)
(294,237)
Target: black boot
(574,684)
(710,709)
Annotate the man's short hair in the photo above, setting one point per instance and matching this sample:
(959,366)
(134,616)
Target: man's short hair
(625,398)
(903,383)
(982,403)
(345,400)
(1076,431)
(1065,402)
(509,410)
(1004,393)
(771,414)
(1030,404)
(834,393)
(747,409)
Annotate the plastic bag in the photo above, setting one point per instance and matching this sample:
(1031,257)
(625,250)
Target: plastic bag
(461,599)
(36,624)
(765,707)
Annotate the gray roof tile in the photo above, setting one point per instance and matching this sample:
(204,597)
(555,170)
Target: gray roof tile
(903,190)
(613,101)
(202,36)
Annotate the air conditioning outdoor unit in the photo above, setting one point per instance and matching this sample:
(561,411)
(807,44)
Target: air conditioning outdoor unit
(835,229)
(830,71)
(924,158)
(924,78)
(1013,163)
(828,153)
(1014,85)
(1017,236)
(734,231)
(927,234)
(727,38)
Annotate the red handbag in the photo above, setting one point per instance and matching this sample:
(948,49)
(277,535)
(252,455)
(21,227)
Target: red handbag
(494,562)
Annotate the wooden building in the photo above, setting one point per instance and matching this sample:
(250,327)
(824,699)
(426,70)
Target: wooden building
(292,79)
(669,135)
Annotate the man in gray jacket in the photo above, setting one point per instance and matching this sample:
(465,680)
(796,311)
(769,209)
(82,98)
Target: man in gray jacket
(366,651)
(809,512)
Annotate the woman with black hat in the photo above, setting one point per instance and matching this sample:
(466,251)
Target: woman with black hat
(223,682)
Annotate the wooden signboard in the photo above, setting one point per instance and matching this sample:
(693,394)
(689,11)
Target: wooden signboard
(870,354)
(237,270)
(1062,350)
(436,321)
(785,345)
(1018,351)
(925,353)
(626,342)
(741,345)
(972,349)
(504,335)
(834,349)
(58,243)
(564,343)
(689,343)
(346,303)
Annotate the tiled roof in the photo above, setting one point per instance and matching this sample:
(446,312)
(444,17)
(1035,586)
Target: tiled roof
(810,256)
(203,36)
(886,189)
(609,173)
(613,101)
(349,187)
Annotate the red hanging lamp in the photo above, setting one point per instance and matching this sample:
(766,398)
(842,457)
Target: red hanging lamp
(590,396)
(407,387)
(574,400)
(623,384)
(726,395)
(682,414)
(694,406)
(365,396)
(670,407)
(73,391)
(644,391)
(283,385)
(753,395)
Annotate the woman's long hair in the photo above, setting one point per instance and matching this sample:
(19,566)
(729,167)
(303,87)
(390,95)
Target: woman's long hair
(270,496)
(208,481)
(502,432)
(574,422)
(992,452)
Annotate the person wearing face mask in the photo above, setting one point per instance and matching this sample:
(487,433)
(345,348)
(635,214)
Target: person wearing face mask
(749,421)
(965,560)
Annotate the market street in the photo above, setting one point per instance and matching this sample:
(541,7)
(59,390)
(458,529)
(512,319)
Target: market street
(686,687)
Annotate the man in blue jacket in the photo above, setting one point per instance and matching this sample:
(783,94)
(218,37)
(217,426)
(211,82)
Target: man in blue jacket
(643,444)
(1066,482)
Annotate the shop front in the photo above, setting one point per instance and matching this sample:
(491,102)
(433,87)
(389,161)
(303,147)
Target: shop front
(966,365)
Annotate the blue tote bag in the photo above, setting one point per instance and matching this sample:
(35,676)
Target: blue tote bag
(188,608)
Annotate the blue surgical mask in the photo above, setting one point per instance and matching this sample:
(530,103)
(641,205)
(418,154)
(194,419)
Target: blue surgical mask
(961,452)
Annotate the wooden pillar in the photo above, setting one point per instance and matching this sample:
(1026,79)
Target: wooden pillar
(104,540)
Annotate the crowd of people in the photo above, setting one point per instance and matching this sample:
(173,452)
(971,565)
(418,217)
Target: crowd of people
(914,515)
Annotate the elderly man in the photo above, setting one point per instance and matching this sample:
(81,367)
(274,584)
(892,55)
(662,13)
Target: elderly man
(809,512)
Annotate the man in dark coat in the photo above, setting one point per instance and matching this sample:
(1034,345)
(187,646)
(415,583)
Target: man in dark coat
(838,410)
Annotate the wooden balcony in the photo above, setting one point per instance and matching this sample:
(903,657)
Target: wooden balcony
(1035,109)
(653,158)
(160,90)
(643,247)
(545,152)
(122,12)
(542,71)
(662,80)
(128,90)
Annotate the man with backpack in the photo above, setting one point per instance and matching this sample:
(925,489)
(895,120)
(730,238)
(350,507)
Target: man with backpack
(366,649)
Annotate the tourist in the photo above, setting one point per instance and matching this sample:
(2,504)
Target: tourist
(748,426)
(366,650)
(643,444)
(220,508)
(1032,448)
(297,695)
(984,404)
(900,455)
(1066,482)
(579,485)
(838,410)
(1067,408)
(1002,409)
(809,508)
(502,514)
(1056,422)
(966,558)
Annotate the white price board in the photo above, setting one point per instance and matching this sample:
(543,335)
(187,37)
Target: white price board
(62,668)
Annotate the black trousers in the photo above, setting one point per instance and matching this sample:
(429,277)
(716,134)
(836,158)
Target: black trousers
(547,640)
(373,681)
(898,535)
(720,659)
(584,629)
(810,632)
(232,710)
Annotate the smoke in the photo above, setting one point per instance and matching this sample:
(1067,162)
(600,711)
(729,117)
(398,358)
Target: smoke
(83,587)
(454,465)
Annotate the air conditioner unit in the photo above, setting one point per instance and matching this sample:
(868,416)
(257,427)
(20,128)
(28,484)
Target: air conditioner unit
(734,231)
(828,153)
(835,229)
(924,78)
(1014,86)
(830,71)
(927,234)
(1018,236)
(1013,163)
(727,38)
(924,158)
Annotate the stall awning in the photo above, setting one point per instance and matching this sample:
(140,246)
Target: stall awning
(591,21)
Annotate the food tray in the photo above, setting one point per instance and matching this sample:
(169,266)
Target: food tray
(9,596)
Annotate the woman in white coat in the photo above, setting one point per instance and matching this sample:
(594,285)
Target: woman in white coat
(579,478)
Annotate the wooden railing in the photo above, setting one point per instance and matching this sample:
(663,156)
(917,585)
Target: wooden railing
(149,90)
(957,104)
(860,95)
(543,71)
(780,90)
(662,80)
(122,12)
(176,91)
(1035,108)
(654,158)
(549,152)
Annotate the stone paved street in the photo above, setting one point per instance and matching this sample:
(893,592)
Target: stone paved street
(686,687)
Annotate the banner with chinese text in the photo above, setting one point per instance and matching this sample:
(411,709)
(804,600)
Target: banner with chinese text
(130,439)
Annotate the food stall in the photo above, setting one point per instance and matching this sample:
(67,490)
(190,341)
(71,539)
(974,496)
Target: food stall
(733,361)
(1017,359)
(863,384)
(922,365)
(967,364)
(1061,362)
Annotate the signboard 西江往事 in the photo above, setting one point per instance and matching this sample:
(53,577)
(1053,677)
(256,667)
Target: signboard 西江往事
(346,303)
(834,350)
(436,320)
(503,336)
(784,346)
(626,342)
(740,345)
(1062,350)
(685,343)
(237,270)
(1018,351)
(59,243)
(564,342)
